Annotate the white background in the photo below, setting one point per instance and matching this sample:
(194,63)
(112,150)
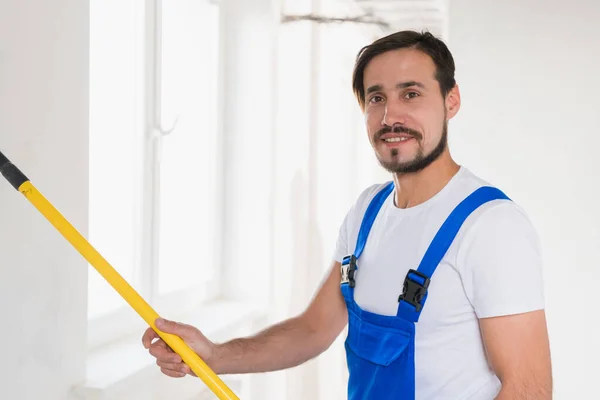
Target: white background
(529,124)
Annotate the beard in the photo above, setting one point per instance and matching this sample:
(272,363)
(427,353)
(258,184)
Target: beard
(421,161)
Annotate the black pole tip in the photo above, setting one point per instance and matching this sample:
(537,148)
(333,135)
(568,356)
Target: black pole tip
(3,160)
(11,172)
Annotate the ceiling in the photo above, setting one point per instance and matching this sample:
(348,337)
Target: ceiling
(420,15)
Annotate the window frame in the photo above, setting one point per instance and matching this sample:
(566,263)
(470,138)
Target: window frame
(118,324)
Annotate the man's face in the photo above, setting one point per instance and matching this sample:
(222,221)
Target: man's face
(405,112)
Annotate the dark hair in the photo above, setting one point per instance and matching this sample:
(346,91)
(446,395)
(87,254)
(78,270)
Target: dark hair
(425,42)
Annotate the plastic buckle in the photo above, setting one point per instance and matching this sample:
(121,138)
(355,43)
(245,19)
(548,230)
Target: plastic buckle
(413,292)
(348,270)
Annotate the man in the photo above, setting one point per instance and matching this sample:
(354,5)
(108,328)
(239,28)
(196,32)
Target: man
(476,328)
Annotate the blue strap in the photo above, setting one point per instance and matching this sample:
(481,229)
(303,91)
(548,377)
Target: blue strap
(349,261)
(369,218)
(443,239)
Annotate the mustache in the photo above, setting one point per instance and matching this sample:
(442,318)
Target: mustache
(398,129)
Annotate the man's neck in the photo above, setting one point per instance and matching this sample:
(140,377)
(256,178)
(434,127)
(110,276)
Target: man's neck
(415,188)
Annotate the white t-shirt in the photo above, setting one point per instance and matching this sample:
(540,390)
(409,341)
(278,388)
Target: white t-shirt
(492,268)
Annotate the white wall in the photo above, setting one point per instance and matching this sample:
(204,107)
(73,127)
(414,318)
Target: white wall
(528,72)
(528,122)
(247,106)
(43,121)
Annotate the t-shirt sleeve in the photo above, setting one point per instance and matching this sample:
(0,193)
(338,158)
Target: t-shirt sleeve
(500,262)
(341,246)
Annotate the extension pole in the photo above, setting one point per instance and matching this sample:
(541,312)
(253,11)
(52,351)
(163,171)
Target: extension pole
(20,182)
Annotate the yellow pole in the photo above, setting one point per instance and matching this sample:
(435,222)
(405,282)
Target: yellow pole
(196,364)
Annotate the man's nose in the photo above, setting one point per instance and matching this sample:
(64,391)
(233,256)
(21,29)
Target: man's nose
(395,113)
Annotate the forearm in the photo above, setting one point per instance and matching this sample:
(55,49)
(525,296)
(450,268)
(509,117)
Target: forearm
(281,346)
(525,391)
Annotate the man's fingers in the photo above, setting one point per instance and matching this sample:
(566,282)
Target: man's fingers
(172,374)
(176,367)
(164,353)
(148,337)
(179,367)
(161,343)
(189,371)
(170,362)
(184,331)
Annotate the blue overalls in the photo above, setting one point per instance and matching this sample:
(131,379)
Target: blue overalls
(380,350)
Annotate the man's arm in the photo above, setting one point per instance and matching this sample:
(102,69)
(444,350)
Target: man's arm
(291,342)
(284,345)
(518,351)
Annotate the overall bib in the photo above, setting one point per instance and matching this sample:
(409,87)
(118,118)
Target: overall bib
(380,350)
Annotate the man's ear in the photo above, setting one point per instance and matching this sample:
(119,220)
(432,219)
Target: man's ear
(453,102)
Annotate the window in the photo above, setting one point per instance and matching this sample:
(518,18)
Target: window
(153,155)
(188,66)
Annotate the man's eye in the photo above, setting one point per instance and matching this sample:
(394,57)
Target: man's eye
(376,99)
(411,95)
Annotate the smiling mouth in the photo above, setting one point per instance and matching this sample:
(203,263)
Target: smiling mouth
(397,139)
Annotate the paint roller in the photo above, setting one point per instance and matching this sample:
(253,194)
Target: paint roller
(20,182)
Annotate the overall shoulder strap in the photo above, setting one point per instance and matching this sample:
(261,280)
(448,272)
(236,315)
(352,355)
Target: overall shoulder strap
(445,236)
(416,282)
(349,262)
(369,218)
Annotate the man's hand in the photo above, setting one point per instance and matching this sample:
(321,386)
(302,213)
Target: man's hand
(283,345)
(170,363)
(518,351)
